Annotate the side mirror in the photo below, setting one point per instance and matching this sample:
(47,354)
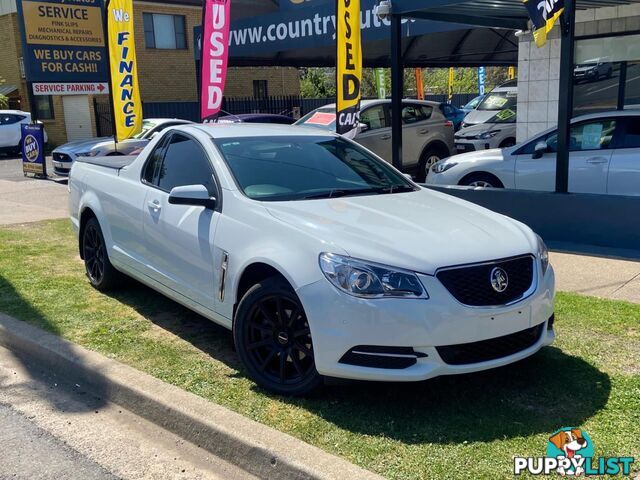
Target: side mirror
(540,149)
(362,127)
(153,135)
(195,195)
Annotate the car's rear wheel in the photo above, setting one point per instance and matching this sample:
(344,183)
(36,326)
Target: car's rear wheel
(484,180)
(429,157)
(100,272)
(273,339)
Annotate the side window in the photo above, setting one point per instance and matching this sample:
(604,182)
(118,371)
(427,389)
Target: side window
(594,135)
(412,114)
(185,163)
(426,111)
(631,138)
(374,117)
(10,119)
(152,167)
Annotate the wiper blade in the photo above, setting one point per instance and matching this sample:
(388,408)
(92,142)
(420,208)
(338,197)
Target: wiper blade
(340,193)
(396,189)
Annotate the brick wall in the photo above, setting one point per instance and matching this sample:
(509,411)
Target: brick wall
(10,51)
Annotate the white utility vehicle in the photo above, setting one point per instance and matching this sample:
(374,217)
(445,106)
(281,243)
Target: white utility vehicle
(322,258)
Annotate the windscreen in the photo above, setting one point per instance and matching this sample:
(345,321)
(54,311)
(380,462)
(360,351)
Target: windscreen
(282,168)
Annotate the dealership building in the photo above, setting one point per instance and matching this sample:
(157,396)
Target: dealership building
(295,33)
(164,31)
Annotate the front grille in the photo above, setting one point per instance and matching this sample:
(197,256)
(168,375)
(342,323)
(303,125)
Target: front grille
(471,285)
(61,157)
(492,349)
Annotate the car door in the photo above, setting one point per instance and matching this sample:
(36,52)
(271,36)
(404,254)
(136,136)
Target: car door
(624,169)
(589,157)
(179,238)
(418,123)
(10,132)
(377,136)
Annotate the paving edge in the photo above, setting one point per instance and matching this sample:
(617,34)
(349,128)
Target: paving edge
(255,448)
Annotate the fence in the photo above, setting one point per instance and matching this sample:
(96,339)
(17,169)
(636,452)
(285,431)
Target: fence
(287,105)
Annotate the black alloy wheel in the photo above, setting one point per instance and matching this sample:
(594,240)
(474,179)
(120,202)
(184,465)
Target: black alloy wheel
(273,339)
(101,273)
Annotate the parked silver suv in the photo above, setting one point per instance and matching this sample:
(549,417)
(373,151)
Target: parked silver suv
(427,136)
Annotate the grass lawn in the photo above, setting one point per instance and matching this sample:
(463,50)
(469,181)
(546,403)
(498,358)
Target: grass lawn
(466,426)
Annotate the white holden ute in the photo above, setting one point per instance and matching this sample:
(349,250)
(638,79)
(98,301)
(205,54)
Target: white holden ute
(321,258)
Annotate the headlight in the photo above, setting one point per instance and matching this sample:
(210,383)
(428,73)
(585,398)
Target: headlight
(441,167)
(90,153)
(370,280)
(543,253)
(491,134)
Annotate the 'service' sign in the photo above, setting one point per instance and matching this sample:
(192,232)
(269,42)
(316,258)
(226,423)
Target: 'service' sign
(63,41)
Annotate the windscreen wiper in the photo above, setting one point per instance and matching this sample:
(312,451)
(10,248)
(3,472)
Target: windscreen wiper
(341,193)
(396,189)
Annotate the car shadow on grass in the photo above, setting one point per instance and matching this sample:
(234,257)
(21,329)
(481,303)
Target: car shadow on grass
(66,384)
(537,395)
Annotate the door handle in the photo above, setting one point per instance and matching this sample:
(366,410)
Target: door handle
(423,131)
(597,160)
(154,205)
(386,136)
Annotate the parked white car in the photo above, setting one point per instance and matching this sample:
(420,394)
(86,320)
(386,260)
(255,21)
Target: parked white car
(65,155)
(501,98)
(322,258)
(603,159)
(10,133)
(485,136)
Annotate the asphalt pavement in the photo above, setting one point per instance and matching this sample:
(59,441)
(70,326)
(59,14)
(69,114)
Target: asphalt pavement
(55,431)
(28,199)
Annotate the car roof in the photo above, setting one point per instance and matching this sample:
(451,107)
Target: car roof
(376,101)
(230,130)
(164,120)
(15,112)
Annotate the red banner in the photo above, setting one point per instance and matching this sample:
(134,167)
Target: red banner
(216,18)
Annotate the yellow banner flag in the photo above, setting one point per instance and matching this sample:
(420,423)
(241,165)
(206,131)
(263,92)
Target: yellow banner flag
(349,65)
(125,92)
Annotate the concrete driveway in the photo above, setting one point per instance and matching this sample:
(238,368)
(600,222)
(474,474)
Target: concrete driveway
(27,199)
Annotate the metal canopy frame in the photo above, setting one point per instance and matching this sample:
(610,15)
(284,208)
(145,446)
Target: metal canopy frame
(510,14)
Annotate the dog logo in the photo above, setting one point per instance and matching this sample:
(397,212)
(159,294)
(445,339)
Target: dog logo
(499,279)
(572,444)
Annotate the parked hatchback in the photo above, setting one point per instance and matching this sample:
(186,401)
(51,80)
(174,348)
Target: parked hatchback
(427,134)
(504,97)
(10,130)
(603,158)
(66,154)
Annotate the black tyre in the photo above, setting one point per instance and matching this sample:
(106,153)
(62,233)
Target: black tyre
(273,339)
(507,142)
(481,179)
(102,275)
(429,156)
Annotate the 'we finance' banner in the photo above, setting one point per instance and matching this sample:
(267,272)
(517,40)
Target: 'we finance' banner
(125,94)
(216,18)
(349,66)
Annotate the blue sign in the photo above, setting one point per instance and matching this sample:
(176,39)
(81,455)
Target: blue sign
(32,146)
(63,40)
(313,24)
(481,78)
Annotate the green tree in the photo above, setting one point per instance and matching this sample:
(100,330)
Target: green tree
(317,82)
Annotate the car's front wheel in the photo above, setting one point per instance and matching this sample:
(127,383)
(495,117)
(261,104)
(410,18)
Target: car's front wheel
(481,179)
(101,273)
(273,339)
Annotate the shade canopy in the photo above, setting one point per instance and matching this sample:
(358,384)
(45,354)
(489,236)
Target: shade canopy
(302,33)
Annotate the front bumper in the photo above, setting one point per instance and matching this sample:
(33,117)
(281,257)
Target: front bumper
(467,145)
(62,162)
(340,322)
